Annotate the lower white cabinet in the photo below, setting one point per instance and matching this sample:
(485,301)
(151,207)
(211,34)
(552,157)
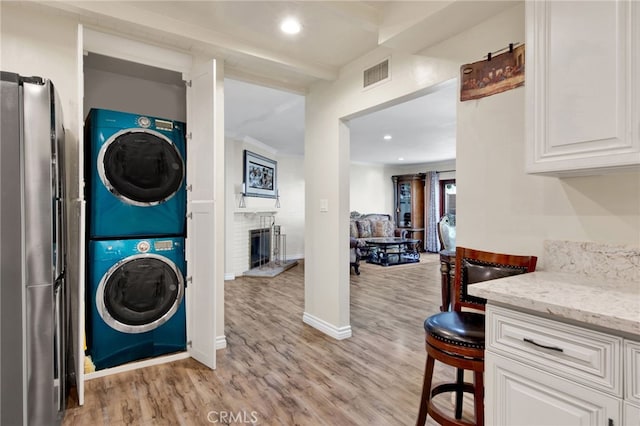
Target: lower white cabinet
(632,383)
(519,394)
(631,414)
(545,372)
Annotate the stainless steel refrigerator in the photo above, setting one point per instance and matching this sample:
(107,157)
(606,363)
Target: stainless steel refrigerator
(33,296)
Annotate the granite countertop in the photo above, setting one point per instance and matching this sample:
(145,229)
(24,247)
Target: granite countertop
(600,302)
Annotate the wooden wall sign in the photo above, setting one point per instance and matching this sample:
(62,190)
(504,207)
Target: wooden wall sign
(494,75)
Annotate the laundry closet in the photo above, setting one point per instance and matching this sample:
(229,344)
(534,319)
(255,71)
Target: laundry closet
(148,222)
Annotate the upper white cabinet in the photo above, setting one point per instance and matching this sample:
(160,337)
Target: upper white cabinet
(582,63)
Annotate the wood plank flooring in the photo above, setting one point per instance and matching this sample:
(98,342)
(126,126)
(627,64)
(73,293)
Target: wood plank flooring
(276,370)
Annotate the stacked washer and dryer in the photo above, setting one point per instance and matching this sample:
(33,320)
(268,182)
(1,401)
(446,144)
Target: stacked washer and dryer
(136,202)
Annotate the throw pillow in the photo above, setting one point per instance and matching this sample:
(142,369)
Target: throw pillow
(382,228)
(353,229)
(364,228)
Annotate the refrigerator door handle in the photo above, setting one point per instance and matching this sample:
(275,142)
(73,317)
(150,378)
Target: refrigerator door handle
(58,377)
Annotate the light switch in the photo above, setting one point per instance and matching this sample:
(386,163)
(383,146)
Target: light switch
(324,205)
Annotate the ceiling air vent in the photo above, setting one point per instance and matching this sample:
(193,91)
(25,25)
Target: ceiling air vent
(376,73)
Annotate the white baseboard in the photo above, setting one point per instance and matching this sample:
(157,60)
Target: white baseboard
(338,333)
(229,276)
(221,342)
(135,365)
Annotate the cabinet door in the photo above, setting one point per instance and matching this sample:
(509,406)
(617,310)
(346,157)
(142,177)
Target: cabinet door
(405,216)
(200,253)
(409,199)
(631,415)
(582,67)
(632,371)
(517,394)
(417,203)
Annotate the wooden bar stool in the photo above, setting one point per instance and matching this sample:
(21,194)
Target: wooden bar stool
(456,338)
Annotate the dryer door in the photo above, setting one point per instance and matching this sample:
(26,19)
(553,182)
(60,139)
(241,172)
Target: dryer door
(140,293)
(141,167)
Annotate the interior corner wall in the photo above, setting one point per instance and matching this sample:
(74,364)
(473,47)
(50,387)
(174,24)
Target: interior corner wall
(501,207)
(327,170)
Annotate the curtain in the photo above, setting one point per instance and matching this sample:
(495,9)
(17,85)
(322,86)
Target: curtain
(431,231)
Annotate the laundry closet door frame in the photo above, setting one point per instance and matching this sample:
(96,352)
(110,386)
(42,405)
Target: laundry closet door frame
(203,218)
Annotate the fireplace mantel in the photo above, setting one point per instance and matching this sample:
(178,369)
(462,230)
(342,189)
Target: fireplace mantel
(255,212)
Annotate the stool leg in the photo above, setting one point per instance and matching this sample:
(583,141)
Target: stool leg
(426,391)
(459,392)
(478,397)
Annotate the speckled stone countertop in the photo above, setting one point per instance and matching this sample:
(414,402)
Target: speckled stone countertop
(593,283)
(600,302)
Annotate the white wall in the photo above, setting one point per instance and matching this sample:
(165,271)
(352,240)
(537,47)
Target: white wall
(499,206)
(120,92)
(371,186)
(44,45)
(370,189)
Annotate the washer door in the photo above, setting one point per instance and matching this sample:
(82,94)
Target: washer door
(141,167)
(140,293)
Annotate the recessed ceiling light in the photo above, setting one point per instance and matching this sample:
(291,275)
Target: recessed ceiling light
(290,26)
(400,158)
(387,137)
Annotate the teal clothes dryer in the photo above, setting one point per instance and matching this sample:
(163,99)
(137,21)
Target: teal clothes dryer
(135,171)
(135,300)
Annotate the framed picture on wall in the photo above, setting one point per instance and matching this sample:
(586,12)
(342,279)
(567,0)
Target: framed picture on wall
(260,176)
(495,75)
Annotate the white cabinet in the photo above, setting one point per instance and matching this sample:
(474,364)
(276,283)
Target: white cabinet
(632,383)
(631,414)
(582,101)
(519,394)
(539,371)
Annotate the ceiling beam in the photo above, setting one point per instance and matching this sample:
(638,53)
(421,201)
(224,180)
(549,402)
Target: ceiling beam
(132,18)
(361,14)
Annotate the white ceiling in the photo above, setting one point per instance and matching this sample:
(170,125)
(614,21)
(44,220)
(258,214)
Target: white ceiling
(246,35)
(423,129)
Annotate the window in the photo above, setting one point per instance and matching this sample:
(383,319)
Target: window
(448,197)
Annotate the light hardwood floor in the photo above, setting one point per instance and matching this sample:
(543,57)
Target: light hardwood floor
(276,370)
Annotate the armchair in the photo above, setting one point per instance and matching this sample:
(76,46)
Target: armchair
(447,237)
(354,255)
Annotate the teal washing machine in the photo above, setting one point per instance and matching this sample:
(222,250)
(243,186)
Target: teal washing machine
(135,171)
(135,302)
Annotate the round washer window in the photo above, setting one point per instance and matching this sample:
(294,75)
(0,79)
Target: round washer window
(142,167)
(140,293)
